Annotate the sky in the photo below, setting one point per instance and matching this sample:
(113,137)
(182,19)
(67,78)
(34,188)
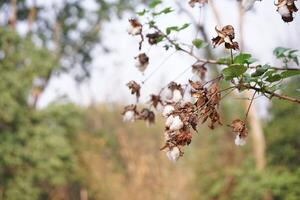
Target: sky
(263,31)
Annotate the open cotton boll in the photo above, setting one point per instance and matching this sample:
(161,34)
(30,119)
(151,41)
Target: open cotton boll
(239,141)
(176,124)
(284,11)
(177,96)
(128,116)
(134,30)
(168,109)
(168,94)
(169,121)
(248,4)
(141,67)
(173,154)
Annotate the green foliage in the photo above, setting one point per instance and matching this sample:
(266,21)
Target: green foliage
(198,43)
(163,11)
(176,28)
(35,146)
(282,130)
(286,55)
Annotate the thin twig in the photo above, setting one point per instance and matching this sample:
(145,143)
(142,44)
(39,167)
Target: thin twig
(247,113)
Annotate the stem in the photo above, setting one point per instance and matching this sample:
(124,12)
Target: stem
(247,113)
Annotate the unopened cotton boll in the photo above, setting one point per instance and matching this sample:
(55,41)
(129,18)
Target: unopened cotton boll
(168,109)
(128,116)
(176,124)
(169,121)
(284,11)
(177,96)
(173,154)
(239,141)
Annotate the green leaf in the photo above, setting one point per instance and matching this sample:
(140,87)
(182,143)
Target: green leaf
(225,60)
(176,28)
(199,43)
(274,78)
(143,12)
(289,73)
(248,79)
(234,71)
(260,70)
(164,11)
(279,52)
(170,29)
(244,58)
(154,3)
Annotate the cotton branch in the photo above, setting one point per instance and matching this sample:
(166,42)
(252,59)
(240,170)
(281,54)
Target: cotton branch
(210,61)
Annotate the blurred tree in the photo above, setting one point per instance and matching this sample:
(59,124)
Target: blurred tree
(36,149)
(70,28)
(283,130)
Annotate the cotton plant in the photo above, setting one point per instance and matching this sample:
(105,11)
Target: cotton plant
(183,106)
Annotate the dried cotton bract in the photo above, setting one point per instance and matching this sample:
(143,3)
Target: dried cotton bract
(135,88)
(226,36)
(286,8)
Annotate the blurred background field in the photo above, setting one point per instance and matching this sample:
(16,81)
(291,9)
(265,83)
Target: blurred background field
(63,69)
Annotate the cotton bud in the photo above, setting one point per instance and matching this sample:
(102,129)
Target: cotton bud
(128,116)
(168,109)
(176,124)
(135,28)
(173,154)
(169,121)
(239,141)
(177,96)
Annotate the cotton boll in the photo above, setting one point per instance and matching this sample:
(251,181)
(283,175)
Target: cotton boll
(141,67)
(173,154)
(284,11)
(177,96)
(168,109)
(134,30)
(248,4)
(176,124)
(169,94)
(239,141)
(128,116)
(169,121)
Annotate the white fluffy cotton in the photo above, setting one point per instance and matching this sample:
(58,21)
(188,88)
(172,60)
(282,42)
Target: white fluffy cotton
(141,67)
(168,109)
(239,141)
(177,96)
(173,154)
(176,124)
(169,121)
(134,30)
(128,116)
(284,11)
